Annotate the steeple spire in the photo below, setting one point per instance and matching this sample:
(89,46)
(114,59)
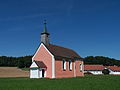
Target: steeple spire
(45,35)
(45,28)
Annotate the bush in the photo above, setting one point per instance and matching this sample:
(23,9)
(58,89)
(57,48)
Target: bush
(88,73)
(24,63)
(105,71)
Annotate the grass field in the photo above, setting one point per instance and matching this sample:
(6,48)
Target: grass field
(79,83)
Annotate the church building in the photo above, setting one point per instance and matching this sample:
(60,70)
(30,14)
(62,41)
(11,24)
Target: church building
(53,61)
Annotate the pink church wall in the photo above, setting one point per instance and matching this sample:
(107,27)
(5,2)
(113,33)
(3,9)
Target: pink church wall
(60,73)
(43,55)
(78,72)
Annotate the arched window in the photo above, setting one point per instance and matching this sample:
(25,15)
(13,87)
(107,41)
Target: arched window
(81,67)
(64,64)
(70,65)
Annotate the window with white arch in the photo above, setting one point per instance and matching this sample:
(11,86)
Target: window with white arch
(64,64)
(81,67)
(70,65)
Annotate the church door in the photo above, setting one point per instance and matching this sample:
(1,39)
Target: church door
(43,73)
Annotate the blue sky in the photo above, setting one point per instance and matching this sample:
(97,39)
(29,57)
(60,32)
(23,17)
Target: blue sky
(90,27)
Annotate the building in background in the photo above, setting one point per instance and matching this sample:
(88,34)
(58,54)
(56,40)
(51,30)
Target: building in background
(93,69)
(97,69)
(115,70)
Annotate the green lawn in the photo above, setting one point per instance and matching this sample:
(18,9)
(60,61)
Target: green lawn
(79,83)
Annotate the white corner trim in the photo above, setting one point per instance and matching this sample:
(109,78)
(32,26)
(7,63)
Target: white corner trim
(53,67)
(74,69)
(82,66)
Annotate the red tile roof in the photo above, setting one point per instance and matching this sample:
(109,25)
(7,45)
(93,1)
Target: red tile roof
(114,68)
(94,67)
(40,64)
(59,51)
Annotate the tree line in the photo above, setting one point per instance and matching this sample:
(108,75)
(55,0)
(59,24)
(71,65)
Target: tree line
(106,61)
(25,61)
(20,62)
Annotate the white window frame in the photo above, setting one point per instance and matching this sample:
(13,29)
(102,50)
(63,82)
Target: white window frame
(81,67)
(64,64)
(70,65)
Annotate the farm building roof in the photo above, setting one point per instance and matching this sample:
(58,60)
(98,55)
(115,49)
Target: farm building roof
(114,68)
(59,51)
(94,67)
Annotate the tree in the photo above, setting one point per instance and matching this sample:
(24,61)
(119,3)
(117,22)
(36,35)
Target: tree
(105,71)
(101,60)
(21,64)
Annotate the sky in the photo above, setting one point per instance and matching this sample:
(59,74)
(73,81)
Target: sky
(90,27)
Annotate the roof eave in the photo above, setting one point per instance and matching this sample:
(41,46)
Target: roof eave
(75,58)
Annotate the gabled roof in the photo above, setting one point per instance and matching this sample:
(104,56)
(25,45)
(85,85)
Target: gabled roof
(94,67)
(40,64)
(59,51)
(114,68)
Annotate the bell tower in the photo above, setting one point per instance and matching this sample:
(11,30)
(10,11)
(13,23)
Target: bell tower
(45,35)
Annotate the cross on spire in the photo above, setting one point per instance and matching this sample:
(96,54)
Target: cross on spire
(45,21)
(45,28)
